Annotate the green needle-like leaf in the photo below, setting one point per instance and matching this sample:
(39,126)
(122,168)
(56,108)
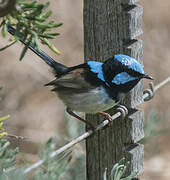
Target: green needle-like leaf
(7,46)
(25,49)
(51,46)
(4,30)
(4,118)
(30,19)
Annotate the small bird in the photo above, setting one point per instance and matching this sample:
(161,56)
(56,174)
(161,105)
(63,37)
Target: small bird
(93,87)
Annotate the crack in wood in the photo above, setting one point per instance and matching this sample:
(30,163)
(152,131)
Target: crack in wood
(130,146)
(127,43)
(128,7)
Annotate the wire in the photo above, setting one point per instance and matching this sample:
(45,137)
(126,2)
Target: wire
(163,83)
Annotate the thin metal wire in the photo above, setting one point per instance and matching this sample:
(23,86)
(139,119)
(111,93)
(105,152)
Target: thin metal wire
(153,89)
(73,142)
(163,83)
(90,132)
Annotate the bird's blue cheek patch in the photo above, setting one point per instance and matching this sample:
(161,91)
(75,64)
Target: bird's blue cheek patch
(123,78)
(96,67)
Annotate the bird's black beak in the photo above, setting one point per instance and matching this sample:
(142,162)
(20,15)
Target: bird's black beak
(147,77)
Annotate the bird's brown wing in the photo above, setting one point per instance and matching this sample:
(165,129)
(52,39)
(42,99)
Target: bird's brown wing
(74,80)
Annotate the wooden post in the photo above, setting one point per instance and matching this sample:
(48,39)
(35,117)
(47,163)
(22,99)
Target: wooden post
(111,27)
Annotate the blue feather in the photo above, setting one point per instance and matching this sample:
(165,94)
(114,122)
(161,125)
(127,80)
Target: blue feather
(123,78)
(96,67)
(130,62)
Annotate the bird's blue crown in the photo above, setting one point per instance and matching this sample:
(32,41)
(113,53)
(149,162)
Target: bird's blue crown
(129,62)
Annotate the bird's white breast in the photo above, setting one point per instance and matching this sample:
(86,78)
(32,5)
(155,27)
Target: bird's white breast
(96,100)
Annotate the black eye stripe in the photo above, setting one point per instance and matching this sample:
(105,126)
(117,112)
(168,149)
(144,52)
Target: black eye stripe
(132,72)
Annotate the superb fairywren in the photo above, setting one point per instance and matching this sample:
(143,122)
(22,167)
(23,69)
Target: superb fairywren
(93,87)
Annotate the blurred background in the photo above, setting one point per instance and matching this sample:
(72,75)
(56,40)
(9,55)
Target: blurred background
(37,114)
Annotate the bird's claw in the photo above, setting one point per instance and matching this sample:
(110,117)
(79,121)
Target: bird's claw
(91,127)
(107,116)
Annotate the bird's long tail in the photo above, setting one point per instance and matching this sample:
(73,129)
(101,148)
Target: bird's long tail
(58,68)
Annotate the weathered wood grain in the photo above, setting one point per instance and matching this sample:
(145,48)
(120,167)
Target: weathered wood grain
(136,155)
(112,27)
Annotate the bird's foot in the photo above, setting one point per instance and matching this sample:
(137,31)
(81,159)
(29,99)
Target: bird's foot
(69,111)
(107,115)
